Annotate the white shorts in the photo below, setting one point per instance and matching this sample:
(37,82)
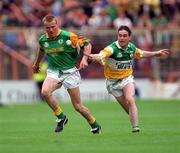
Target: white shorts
(72,81)
(115,86)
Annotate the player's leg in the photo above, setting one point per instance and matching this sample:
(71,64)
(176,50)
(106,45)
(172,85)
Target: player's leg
(49,85)
(129,93)
(79,107)
(114,87)
(121,100)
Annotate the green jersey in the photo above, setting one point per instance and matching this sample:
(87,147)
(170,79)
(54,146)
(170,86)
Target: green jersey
(61,51)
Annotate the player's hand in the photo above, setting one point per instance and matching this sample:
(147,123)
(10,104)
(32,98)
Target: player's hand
(97,58)
(83,63)
(94,57)
(163,53)
(35,69)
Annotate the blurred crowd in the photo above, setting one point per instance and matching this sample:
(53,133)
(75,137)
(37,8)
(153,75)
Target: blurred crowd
(155,24)
(91,13)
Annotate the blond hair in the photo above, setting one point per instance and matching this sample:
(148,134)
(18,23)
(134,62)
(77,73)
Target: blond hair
(49,18)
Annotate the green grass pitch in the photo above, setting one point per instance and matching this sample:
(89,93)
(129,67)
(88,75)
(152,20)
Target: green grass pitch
(30,129)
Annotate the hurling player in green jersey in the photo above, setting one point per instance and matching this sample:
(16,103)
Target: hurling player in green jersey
(117,59)
(60,46)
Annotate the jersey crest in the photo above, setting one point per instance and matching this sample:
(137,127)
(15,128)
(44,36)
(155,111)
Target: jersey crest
(46,44)
(119,54)
(60,41)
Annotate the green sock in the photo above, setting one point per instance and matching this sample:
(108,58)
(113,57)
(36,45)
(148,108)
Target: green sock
(61,116)
(94,125)
(136,126)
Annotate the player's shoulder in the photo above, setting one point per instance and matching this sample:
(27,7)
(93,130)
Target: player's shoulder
(110,47)
(131,45)
(112,44)
(42,37)
(65,33)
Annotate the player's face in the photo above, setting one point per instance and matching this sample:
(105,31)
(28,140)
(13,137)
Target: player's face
(123,38)
(51,28)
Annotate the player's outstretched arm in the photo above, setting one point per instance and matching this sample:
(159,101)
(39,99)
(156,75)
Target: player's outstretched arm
(163,53)
(100,57)
(95,58)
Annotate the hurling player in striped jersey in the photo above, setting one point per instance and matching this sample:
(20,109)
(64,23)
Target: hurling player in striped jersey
(61,49)
(117,59)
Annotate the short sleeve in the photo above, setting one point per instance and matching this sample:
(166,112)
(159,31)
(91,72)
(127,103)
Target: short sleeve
(138,53)
(106,52)
(80,40)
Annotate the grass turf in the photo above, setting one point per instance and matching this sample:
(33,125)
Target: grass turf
(30,129)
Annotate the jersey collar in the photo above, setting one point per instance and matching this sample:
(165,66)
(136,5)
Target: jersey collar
(117,44)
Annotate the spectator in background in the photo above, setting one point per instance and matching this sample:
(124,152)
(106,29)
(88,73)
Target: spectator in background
(16,8)
(112,10)
(169,8)
(159,20)
(9,19)
(10,39)
(79,18)
(175,21)
(100,21)
(144,41)
(97,7)
(37,10)
(144,21)
(122,20)
(22,45)
(57,8)
(30,12)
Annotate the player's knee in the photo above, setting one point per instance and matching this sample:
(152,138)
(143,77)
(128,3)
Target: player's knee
(130,99)
(45,93)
